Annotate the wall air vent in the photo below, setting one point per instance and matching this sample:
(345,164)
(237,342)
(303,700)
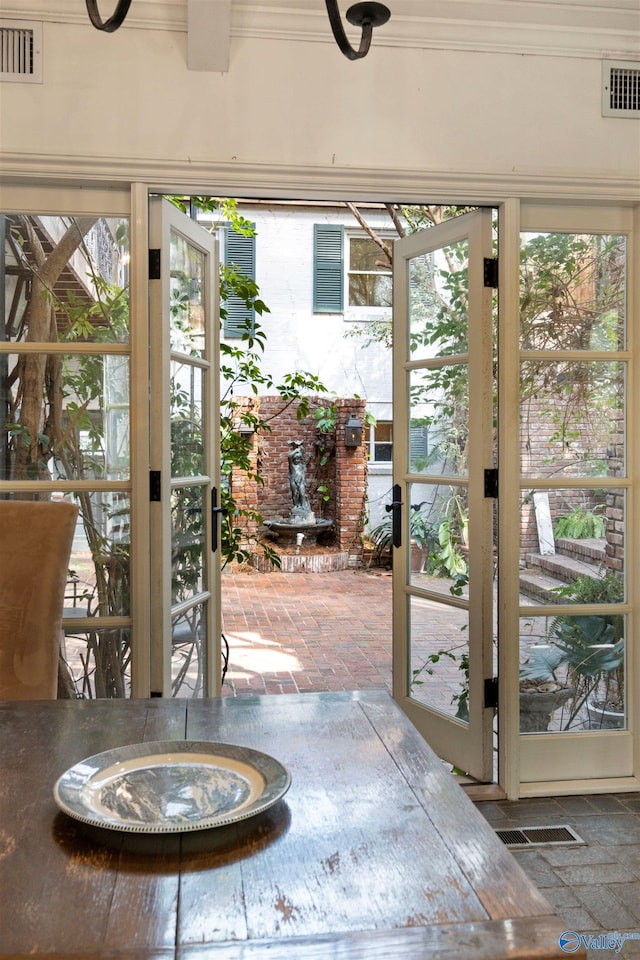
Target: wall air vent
(620,89)
(21,51)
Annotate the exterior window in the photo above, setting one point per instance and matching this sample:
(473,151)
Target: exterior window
(381,438)
(369,277)
(349,271)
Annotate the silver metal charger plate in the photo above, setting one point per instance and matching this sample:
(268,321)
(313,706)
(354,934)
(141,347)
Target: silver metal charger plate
(171,786)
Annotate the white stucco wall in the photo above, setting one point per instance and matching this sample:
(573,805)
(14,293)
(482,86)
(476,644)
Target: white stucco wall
(298,338)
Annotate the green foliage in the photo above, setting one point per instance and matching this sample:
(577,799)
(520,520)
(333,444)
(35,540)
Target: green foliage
(584,652)
(242,373)
(606,589)
(427,666)
(326,418)
(580,524)
(420,531)
(461,698)
(453,531)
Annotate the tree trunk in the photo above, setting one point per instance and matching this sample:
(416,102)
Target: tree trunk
(31,447)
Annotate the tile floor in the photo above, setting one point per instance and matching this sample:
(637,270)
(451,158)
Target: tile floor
(595,887)
(291,633)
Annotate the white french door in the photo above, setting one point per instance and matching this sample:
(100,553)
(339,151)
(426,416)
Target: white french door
(577,452)
(184,475)
(443,458)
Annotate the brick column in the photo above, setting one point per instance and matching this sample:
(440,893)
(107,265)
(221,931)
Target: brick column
(350,482)
(614,508)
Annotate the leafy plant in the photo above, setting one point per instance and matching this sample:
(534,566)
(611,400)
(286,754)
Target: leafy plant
(580,524)
(420,531)
(606,589)
(582,652)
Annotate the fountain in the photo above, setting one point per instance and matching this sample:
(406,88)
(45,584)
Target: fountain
(302,522)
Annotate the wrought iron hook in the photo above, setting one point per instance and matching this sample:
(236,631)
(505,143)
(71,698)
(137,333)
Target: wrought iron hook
(114,21)
(365,15)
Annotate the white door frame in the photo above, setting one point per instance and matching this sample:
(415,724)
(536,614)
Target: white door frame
(468,744)
(40,187)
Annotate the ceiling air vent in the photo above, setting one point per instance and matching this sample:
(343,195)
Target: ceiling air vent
(620,89)
(21,51)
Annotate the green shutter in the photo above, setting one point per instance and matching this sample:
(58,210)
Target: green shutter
(328,268)
(418,447)
(241,252)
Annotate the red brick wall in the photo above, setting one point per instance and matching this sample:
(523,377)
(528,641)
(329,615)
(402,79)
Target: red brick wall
(345,474)
(535,447)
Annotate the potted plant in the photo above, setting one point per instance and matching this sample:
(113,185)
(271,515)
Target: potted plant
(421,534)
(580,659)
(605,702)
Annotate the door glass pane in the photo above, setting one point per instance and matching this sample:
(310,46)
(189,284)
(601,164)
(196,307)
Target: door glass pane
(187,441)
(573,291)
(97,662)
(572,672)
(82,432)
(439,656)
(73,275)
(188,652)
(439,302)
(572,418)
(439,406)
(187,292)
(572,546)
(187,542)
(438,537)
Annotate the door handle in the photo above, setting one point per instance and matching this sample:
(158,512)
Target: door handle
(216,511)
(395,508)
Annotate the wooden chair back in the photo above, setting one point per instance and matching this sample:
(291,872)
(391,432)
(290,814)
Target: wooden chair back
(35,546)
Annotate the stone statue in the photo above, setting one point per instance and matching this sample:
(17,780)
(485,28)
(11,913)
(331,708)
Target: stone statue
(297,480)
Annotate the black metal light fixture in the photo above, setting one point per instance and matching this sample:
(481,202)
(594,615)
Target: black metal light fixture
(353,432)
(114,21)
(365,15)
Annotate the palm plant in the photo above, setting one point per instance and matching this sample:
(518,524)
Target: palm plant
(582,653)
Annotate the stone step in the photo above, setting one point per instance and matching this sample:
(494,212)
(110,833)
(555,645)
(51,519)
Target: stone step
(589,549)
(540,588)
(562,567)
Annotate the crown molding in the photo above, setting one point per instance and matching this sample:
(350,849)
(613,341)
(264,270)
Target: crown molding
(578,28)
(310,182)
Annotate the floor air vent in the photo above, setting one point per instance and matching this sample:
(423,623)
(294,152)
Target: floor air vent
(21,51)
(620,89)
(538,836)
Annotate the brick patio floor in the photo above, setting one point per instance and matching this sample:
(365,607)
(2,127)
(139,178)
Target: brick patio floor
(302,632)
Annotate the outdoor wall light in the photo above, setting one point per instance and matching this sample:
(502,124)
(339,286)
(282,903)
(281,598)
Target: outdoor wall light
(365,15)
(353,432)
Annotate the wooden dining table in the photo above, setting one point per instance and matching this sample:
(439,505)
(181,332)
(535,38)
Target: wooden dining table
(373,853)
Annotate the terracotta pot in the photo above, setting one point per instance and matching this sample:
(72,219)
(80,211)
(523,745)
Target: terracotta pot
(417,557)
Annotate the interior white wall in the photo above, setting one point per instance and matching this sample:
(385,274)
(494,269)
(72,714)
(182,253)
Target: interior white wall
(129,97)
